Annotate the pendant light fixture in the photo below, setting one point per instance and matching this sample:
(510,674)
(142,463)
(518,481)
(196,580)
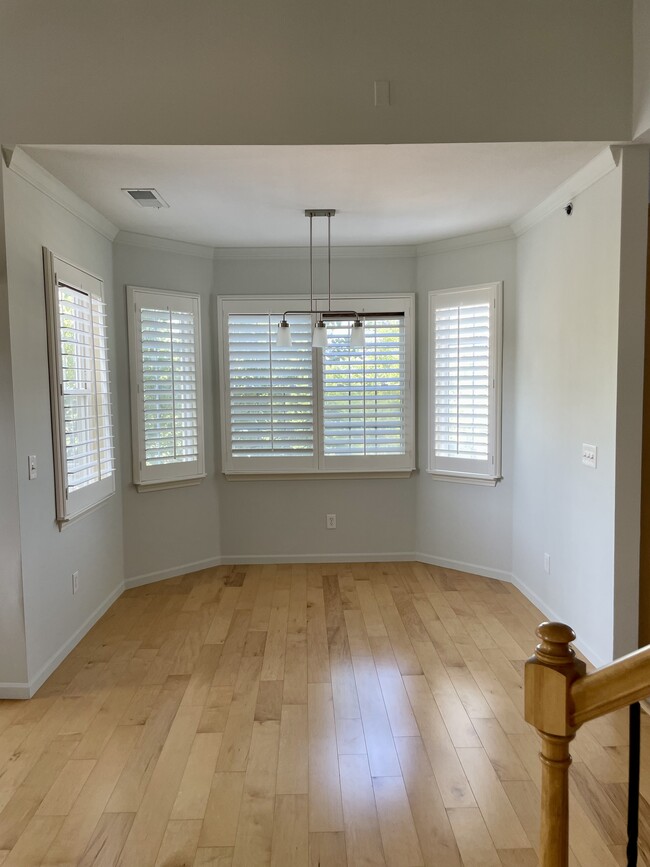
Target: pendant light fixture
(319,335)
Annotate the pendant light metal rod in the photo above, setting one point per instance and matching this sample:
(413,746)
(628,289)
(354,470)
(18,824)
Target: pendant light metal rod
(311,263)
(329,262)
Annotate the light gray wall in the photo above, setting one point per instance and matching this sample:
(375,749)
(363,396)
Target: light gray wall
(567,357)
(13,649)
(250,71)
(93,544)
(165,530)
(461,525)
(375,517)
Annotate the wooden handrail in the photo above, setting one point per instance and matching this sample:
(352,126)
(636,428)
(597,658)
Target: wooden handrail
(559,697)
(612,687)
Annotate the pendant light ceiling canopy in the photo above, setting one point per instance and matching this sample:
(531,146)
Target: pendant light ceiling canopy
(319,336)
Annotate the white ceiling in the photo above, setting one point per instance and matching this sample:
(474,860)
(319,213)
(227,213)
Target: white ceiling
(255,196)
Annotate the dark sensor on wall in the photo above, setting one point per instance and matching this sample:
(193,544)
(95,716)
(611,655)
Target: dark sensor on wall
(568,209)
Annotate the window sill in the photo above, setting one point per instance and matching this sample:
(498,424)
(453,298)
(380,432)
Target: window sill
(145,487)
(464,480)
(297,477)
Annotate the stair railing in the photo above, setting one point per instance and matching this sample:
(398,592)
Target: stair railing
(560,697)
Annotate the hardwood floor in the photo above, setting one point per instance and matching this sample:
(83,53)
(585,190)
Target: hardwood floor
(302,715)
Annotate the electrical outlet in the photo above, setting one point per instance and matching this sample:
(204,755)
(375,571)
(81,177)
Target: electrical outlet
(331,522)
(547,563)
(75,582)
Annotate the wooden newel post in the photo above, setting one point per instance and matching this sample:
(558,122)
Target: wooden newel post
(549,675)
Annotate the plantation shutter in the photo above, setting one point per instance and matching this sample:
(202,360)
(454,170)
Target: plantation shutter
(168,387)
(270,391)
(364,389)
(85,388)
(82,427)
(463,381)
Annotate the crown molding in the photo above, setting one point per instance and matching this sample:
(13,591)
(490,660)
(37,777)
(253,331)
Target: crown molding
(388,252)
(29,170)
(151,242)
(477,239)
(601,165)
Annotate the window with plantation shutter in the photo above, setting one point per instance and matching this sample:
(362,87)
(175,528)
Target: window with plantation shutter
(80,388)
(166,392)
(302,410)
(464,385)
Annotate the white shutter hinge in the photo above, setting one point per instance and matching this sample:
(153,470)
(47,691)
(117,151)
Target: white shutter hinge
(67,493)
(140,466)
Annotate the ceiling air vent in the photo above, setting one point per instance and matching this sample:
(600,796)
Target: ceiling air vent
(146,197)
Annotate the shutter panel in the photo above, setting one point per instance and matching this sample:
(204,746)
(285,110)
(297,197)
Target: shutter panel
(269,388)
(85,388)
(168,389)
(364,389)
(463,387)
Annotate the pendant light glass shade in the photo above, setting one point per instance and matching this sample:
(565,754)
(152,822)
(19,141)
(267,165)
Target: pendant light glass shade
(284,334)
(358,334)
(319,337)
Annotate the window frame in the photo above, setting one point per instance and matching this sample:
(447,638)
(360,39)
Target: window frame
(179,473)
(318,465)
(470,472)
(71,505)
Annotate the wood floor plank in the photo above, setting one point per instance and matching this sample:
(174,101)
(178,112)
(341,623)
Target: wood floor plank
(473,838)
(293,759)
(325,810)
(362,837)
(290,844)
(327,849)
(179,843)
(401,846)
(222,811)
(379,738)
(195,785)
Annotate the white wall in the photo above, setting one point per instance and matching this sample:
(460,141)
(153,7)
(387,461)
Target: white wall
(375,517)
(460,525)
(13,650)
(250,71)
(567,355)
(166,531)
(92,545)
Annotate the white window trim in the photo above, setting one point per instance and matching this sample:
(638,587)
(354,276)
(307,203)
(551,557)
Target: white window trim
(165,476)
(491,477)
(317,466)
(70,506)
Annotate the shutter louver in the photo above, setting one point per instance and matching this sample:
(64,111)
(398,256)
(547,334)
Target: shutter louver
(85,388)
(364,389)
(270,388)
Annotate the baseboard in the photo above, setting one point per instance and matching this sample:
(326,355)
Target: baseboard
(174,572)
(14,691)
(27,690)
(388,557)
(594,658)
(460,566)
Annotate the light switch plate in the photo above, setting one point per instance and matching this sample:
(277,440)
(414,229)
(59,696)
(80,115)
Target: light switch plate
(32,468)
(589,455)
